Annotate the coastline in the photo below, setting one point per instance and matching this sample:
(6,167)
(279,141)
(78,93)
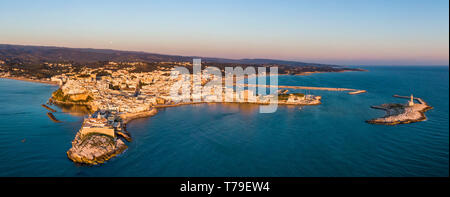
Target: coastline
(31,80)
(98,149)
(341,71)
(309,73)
(300,74)
(128,117)
(145,136)
(350,91)
(87,104)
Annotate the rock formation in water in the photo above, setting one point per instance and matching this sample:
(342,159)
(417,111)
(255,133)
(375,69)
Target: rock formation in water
(402,113)
(95,148)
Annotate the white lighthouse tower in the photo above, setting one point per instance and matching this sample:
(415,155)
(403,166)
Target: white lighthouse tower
(411,102)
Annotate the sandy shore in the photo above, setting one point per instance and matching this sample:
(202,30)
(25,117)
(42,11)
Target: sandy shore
(31,80)
(316,72)
(308,73)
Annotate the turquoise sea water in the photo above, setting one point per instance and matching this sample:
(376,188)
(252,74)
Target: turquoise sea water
(235,140)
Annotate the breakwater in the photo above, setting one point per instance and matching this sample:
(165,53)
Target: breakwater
(421,101)
(52,117)
(127,117)
(357,92)
(47,107)
(125,135)
(401,113)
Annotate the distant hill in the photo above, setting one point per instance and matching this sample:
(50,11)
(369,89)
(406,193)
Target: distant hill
(39,54)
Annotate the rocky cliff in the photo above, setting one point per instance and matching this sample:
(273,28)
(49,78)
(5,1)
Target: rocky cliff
(63,97)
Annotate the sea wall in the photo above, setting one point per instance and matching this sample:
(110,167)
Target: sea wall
(127,117)
(105,131)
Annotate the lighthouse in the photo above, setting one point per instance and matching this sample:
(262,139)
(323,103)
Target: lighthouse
(411,102)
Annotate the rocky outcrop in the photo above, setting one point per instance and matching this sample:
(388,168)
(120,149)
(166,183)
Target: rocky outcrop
(95,148)
(401,114)
(59,96)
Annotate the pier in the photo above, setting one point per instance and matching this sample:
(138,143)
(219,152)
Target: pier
(357,92)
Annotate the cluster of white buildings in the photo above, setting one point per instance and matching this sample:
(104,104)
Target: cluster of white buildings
(124,91)
(97,125)
(120,91)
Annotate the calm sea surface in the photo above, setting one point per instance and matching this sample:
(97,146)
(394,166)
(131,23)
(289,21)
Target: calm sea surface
(235,140)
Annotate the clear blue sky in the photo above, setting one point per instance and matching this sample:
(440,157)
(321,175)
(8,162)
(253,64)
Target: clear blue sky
(414,32)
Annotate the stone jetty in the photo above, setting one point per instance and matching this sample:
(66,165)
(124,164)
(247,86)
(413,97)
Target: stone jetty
(52,117)
(48,108)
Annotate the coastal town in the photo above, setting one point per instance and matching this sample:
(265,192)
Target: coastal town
(115,95)
(128,92)
(119,92)
(224,97)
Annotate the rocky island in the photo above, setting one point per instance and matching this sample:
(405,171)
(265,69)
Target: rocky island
(402,113)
